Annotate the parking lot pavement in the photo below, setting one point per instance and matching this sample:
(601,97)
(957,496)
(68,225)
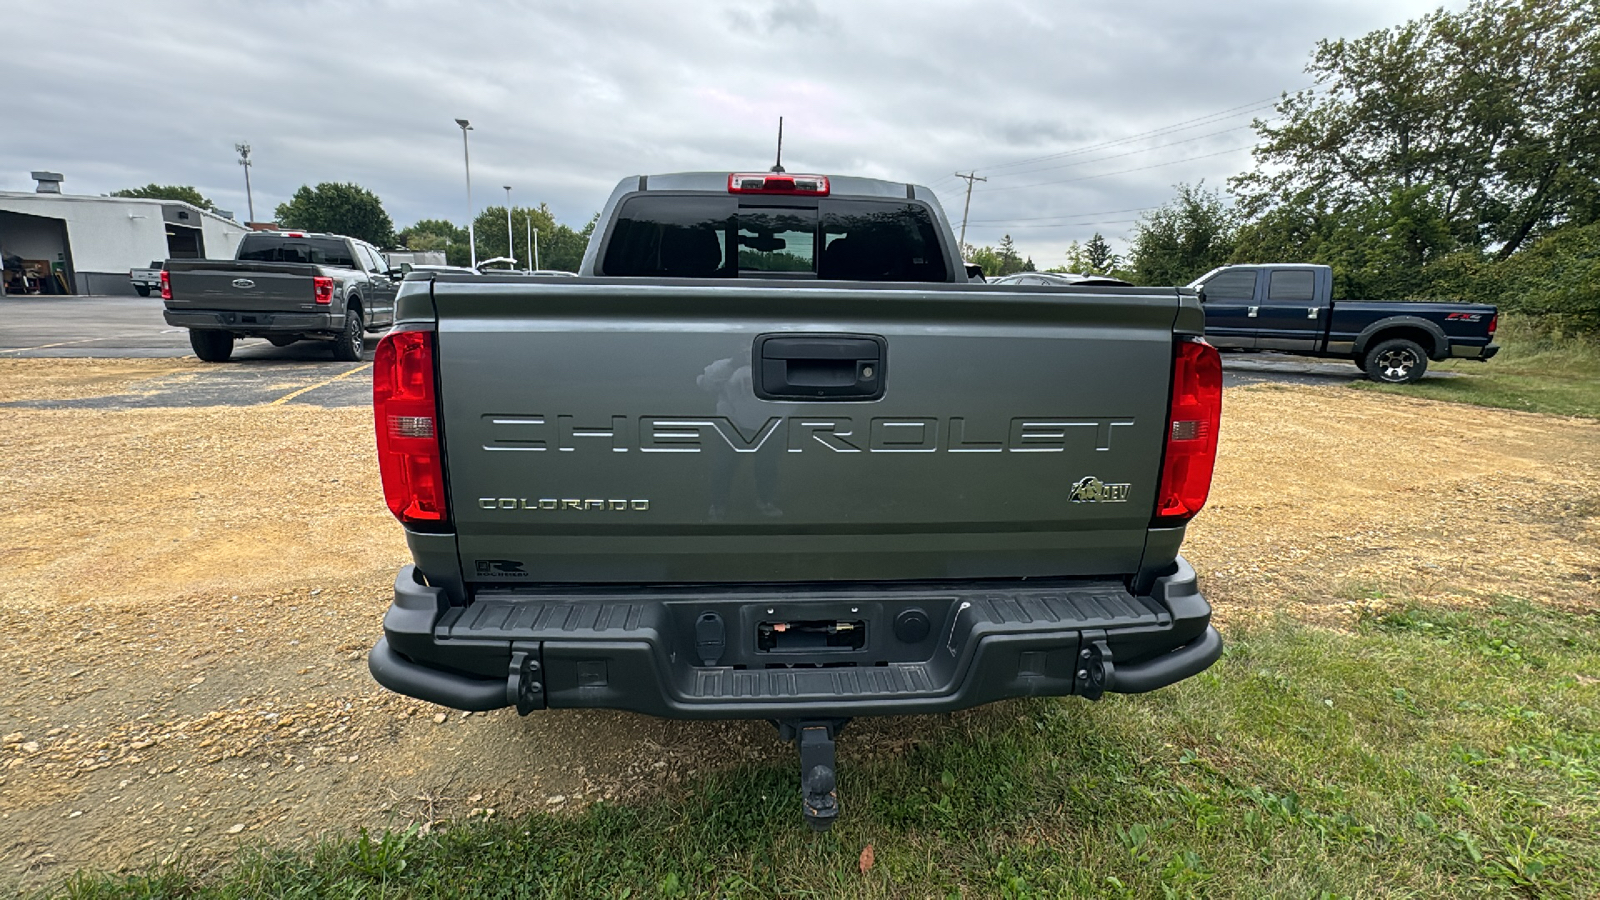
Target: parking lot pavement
(132,328)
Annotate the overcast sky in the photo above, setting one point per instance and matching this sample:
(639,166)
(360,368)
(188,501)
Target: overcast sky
(566,98)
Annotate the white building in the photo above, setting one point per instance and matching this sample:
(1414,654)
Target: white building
(90,243)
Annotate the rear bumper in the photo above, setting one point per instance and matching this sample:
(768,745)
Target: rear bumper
(695,653)
(1467,351)
(254,322)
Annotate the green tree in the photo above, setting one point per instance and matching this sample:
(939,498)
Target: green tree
(339,208)
(998,261)
(1485,117)
(1187,237)
(1097,256)
(431,234)
(168,192)
(490,229)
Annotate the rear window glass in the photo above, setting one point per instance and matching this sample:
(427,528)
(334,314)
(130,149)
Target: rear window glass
(714,237)
(315,251)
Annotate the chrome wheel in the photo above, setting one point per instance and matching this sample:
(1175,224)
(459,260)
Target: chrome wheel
(1396,364)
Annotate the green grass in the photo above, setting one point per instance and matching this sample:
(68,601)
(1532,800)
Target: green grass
(1534,372)
(1431,753)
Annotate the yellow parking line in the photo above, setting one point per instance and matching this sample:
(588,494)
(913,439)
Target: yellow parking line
(293,394)
(48,346)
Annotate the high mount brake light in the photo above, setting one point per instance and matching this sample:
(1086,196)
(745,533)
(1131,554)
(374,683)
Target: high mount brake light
(1192,426)
(166,288)
(322,289)
(406,410)
(776,183)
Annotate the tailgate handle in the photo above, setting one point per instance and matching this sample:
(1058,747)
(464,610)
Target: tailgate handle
(820,366)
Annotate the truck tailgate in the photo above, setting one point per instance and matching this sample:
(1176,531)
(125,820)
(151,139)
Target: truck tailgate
(598,431)
(243,286)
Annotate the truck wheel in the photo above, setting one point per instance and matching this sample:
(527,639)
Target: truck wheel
(211,345)
(281,341)
(1396,361)
(347,346)
(143,289)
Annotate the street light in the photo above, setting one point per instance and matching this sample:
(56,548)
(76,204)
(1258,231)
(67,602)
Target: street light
(466,155)
(511,249)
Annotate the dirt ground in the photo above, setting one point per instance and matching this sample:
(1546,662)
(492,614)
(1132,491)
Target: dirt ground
(187,595)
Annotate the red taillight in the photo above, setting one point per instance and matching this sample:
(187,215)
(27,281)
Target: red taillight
(322,289)
(1192,425)
(166,287)
(777,183)
(1494,322)
(407,419)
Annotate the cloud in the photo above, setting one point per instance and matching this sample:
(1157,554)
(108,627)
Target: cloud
(568,97)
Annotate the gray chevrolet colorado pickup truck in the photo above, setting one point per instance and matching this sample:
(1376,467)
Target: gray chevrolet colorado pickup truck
(774,456)
(284,286)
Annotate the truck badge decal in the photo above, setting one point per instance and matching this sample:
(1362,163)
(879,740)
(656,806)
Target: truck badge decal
(243,283)
(505,568)
(563,504)
(1090,489)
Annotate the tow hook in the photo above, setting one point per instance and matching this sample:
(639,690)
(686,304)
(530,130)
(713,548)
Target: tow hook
(1096,672)
(525,679)
(819,793)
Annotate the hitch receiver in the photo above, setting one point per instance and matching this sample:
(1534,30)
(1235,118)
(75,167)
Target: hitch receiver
(819,793)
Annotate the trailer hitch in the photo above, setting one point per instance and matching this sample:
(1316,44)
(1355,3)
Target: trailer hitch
(819,793)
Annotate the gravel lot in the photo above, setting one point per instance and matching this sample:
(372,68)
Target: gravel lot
(187,594)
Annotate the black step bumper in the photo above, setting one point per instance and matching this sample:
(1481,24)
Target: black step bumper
(254,322)
(717,652)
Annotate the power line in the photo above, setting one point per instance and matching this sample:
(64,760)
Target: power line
(1016,187)
(1155,132)
(1085,162)
(1104,212)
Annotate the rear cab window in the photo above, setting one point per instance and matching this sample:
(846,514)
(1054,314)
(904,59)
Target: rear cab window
(709,236)
(305,250)
(1291,286)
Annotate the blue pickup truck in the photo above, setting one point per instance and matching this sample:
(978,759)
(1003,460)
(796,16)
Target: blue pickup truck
(1290,308)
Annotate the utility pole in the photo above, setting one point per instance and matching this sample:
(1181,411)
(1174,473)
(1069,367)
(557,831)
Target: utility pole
(528,221)
(970,177)
(511,247)
(536,249)
(244,160)
(466,156)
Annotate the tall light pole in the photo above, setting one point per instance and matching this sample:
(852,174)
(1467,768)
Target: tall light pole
(511,247)
(527,220)
(466,155)
(244,160)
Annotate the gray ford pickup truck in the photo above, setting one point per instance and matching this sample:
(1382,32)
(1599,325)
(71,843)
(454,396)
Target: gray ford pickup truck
(284,286)
(774,456)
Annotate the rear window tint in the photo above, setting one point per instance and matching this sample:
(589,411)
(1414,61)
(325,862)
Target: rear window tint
(672,237)
(714,237)
(313,251)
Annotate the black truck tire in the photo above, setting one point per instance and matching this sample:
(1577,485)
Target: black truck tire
(1396,361)
(142,289)
(347,346)
(211,345)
